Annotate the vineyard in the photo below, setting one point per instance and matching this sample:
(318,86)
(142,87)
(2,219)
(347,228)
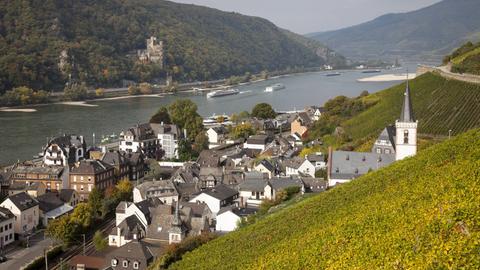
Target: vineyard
(439,104)
(419,213)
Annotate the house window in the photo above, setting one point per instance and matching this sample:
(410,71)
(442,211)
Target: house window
(114,262)
(125,263)
(387,151)
(405,137)
(135,265)
(379,150)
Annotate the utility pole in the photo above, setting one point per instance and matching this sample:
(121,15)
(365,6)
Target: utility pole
(46,258)
(449,134)
(83,244)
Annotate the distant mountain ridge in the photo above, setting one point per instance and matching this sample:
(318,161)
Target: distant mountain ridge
(96,42)
(429,32)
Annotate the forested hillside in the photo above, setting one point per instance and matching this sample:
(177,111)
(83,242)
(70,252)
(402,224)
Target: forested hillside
(465,59)
(430,33)
(419,213)
(98,37)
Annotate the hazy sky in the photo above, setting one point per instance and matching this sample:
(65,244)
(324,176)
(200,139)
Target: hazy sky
(306,16)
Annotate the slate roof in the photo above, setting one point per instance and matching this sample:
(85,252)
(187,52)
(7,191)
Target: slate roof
(49,201)
(68,141)
(23,201)
(350,165)
(267,165)
(197,209)
(304,118)
(66,194)
(258,139)
(257,185)
(315,184)
(407,109)
(208,158)
(186,190)
(221,192)
(90,262)
(152,186)
(114,158)
(90,167)
(50,170)
(133,251)
(388,134)
(220,130)
(140,132)
(241,212)
(166,129)
(315,157)
(129,226)
(295,162)
(282,183)
(5,214)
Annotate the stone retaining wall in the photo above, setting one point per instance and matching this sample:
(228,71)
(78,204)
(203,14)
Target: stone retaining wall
(422,69)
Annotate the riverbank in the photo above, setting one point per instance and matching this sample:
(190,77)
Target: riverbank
(388,77)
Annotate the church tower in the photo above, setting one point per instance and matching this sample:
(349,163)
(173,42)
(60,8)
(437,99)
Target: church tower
(406,129)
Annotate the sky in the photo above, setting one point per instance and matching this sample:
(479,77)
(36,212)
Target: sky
(308,16)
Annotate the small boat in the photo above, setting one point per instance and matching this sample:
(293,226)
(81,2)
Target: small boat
(274,87)
(333,74)
(372,71)
(221,93)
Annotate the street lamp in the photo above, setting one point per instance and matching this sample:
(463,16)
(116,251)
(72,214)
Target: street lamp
(449,133)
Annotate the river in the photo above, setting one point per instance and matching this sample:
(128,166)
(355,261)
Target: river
(23,134)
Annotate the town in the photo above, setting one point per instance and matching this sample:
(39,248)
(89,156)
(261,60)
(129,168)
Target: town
(122,203)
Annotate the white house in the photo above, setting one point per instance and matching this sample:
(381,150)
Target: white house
(298,166)
(7,219)
(216,135)
(254,191)
(168,136)
(139,138)
(266,167)
(26,211)
(164,190)
(64,150)
(217,197)
(256,142)
(318,160)
(227,220)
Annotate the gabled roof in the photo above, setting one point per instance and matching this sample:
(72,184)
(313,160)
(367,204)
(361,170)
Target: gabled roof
(388,134)
(90,167)
(282,183)
(66,194)
(257,185)
(220,130)
(165,129)
(304,118)
(350,165)
(23,201)
(133,250)
(295,162)
(221,192)
(49,201)
(407,109)
(5,214)
(267,165)
(114,158)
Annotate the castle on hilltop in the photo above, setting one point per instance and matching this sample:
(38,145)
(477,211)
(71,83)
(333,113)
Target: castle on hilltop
(396,142)
(154,52)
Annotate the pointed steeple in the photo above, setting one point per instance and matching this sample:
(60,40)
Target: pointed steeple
(407,109)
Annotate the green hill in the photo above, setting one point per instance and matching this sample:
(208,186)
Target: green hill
(429,32)
(440,105)
(420,213)
(98,36)
(465,59)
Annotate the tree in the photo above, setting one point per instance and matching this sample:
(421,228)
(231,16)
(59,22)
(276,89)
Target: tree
(62,229)
(76,92)
(95,201)
(185,150)
(145,89)
(100,92)
(242,131)
(133,90)
(100,241)
(183,112)
(161,116)
(82,215)
(201,142)
(125,189)
(263,111)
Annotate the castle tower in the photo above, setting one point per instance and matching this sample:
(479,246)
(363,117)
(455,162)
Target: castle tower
(406,129)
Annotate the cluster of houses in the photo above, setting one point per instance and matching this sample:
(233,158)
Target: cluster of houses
(226,183)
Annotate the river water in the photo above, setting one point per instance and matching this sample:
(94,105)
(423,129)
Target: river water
(22,135)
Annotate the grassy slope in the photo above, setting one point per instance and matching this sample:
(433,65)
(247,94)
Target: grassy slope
(420,213)
(459,59)
(439,105)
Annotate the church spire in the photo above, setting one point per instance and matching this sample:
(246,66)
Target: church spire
(407,109)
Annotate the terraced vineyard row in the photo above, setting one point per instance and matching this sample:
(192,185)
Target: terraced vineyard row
(440,105)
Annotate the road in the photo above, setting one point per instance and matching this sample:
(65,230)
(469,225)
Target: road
(19,257)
